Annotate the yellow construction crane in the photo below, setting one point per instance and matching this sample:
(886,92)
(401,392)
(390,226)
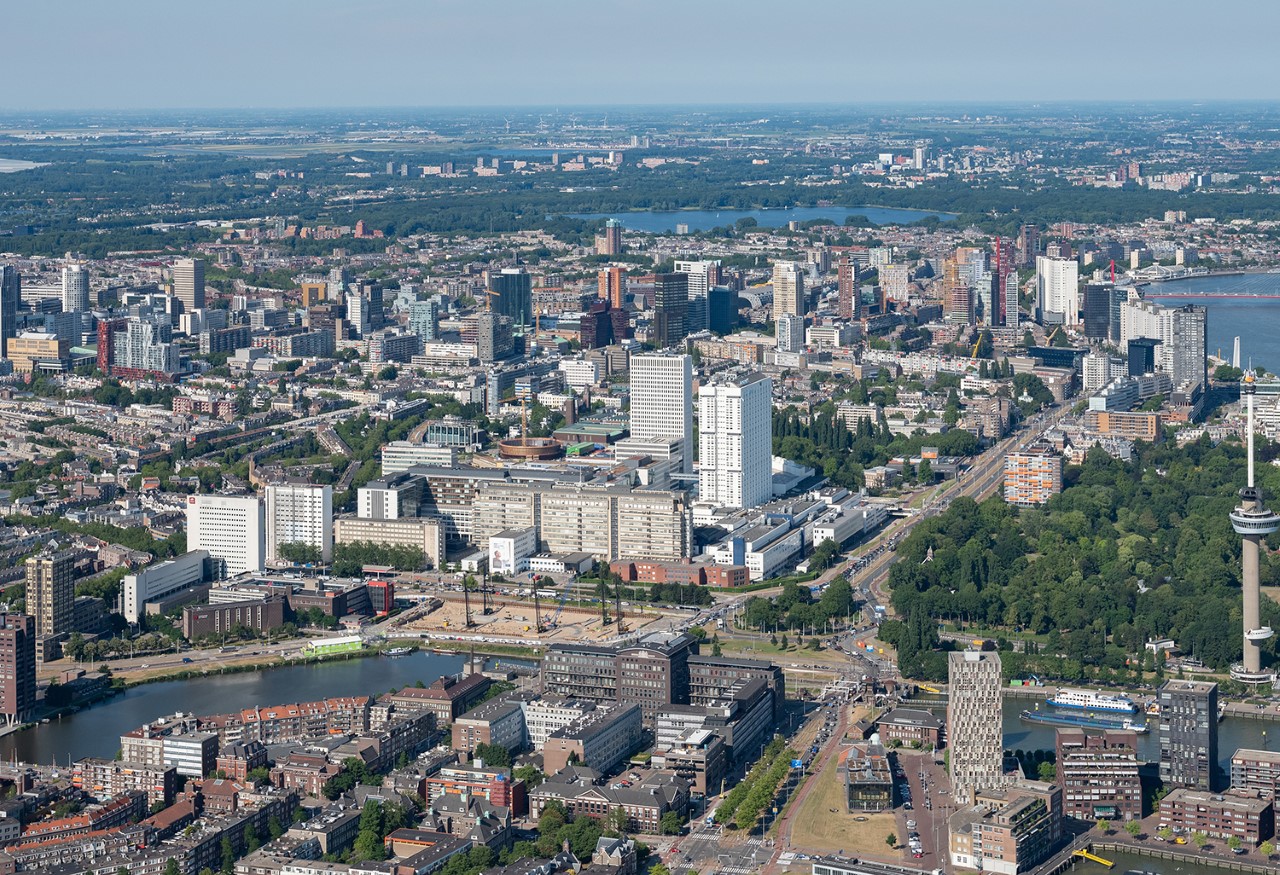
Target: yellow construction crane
(1048,340)
(489,295)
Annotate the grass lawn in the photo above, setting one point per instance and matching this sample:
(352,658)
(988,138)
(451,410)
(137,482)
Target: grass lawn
(820,829)
(1272,592)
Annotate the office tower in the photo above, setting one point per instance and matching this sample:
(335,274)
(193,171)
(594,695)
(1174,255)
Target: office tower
(230,528)
(188,283)
(424,318)
(1028,245)
(722,309)
(494,341)
(788,289)
(1012,314)
(51,592)
(1253,522)
(974,731)
(984,299)
(377,308)
(1097,310)
(339,278)
(1057,291)
(612,286)
(75,289)
(10,296)
(958,305)
(703,276)
(1189,734)
(1142,356)
(17,668)
(359,316)
(1098,774)
(735,436)
(670,308)
(849,304)
(513,297)
(302,514)
(1119,296)
(790,333)
(313,294)
(895,279)
(662,401)
(918,158)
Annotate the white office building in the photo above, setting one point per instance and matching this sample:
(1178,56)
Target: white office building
(790,333)
(358,314)
(161,580)
(230,528)
(1182,334)
(736,436)
(400,456)
(580,373)
(662,400)
(299,514)
(75,289)
(1058,290)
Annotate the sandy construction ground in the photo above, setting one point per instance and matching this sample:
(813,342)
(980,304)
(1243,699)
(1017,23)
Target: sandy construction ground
(514,619)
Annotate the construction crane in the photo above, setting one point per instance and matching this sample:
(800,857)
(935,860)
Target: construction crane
(1049,340)
(489,295)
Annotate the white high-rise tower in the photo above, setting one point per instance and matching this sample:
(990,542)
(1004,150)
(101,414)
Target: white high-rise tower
(735,433)
(75,289)
(662,401)
(1252,522)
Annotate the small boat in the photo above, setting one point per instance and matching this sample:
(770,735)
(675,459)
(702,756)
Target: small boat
(1088,721)
(398,651)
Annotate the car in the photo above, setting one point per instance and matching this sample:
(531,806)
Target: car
(907,805)
(145,665)
(911,824)
(1179,840)
(187,659)
(1239,851)
(918,854)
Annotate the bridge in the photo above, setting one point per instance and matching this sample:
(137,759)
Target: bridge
(1246,295)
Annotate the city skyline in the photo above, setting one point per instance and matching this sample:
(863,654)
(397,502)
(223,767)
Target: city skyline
(419,53)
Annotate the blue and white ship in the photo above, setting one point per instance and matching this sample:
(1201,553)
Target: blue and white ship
(1088,700)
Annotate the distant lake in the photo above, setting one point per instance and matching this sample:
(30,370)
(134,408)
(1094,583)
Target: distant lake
(13,165)
(656,222)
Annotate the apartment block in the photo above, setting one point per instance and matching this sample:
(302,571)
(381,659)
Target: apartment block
(1098,774)
(601,739)
(975,739)
(1006,830)
(1246,814)
(1189,734)
(1032,477)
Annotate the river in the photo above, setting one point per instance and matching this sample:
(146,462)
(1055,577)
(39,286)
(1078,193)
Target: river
(96,731)
(664,222)
(1256,322)
(1136,863)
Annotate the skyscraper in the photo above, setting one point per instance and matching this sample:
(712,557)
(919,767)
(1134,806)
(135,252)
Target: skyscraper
(1189,734)
(610,242)
(230,527)
(51,592)
(790,333)
(1057,290)
(1182,333)
(735,437)
(75,289)
(670,307)
(788,289)
(974,731)
(1253,522)
(848,302)
(703,276)
(188,283)
(1012,315)
(358,314)
(1097,310)
(17,668)
(299,513)
(10,296)
(612,286)
(514,298)
(424,318)
(662,401)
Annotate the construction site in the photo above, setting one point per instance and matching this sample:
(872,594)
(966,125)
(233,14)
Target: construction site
(487,615)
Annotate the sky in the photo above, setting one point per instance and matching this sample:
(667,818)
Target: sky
(150,54)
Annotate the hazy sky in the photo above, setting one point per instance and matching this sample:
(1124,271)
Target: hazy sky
(70,54)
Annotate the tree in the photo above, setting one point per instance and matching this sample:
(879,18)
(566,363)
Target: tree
(172,868)
(617,819)
(492,754)
(1267,848)
(228,856)
(672,825)
(531,775)
(1104,825)
(659,869)
(1047,771)
(1200,839)
(1165,833)
(924,474)
(1233,842)
(1133,827)
(274,827)
(891,840)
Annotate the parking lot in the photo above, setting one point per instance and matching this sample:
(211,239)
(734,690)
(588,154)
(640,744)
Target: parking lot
(921,816)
